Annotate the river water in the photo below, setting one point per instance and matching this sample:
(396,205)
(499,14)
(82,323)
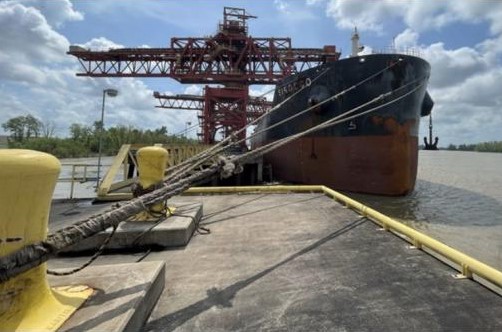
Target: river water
(457,200)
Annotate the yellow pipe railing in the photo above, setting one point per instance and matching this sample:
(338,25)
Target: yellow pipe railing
(466,264)
(249,189)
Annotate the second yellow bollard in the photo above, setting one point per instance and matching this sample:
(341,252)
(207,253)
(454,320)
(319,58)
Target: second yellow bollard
(152,161)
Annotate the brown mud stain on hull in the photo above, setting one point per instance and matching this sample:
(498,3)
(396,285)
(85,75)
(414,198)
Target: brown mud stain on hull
(383,165)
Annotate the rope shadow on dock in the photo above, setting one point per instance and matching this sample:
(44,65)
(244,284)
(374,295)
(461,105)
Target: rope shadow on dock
(223,297)
(210,215)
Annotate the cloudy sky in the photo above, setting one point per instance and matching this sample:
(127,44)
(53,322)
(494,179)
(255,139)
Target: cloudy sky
(462,40)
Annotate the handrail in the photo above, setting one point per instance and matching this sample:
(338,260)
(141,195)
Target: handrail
(73,176)
(466,264)
(177,153)
(105,192)
(413,51)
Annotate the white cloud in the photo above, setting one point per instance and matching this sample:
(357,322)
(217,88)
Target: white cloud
(29,45)
(37,77)
(193,89)
(477,11)
(171,12)
(407,38)
(451,67)
(464,80)
(100,44)
(465,87)
(314,2)
(481,89)
(266,91)
(366,15)
(176,120)
(40,77)
(293,11)
(491,48)
(424,15)
(282,6)
(416,14)
(10,105)
(458,123)
(26,35)
(56,12)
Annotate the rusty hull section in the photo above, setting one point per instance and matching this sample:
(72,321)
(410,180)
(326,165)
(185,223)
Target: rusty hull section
(380,164)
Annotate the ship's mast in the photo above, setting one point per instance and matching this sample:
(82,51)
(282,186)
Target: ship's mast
(356,48)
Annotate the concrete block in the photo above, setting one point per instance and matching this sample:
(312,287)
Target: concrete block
(124,296)
(174,231)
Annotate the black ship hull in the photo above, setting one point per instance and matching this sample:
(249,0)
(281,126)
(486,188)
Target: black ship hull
(374,153)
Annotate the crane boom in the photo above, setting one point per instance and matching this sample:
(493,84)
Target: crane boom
(255,106)
(231,57)
(206,60)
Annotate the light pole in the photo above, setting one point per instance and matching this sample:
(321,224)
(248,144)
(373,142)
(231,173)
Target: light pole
(110,93)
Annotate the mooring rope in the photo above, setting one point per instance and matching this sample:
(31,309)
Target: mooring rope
(90,261)
(228,142)
(35,254)
(331,122)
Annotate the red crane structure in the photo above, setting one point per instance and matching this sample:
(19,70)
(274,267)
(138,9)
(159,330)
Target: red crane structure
(231,58)
(220,109)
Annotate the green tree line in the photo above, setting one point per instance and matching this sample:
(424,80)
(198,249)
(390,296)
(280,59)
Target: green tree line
(495,146)
(27,132)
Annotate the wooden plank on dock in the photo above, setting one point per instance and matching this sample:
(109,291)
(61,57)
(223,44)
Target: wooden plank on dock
(105,185)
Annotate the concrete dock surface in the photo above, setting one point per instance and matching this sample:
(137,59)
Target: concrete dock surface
(123,296)
(302,262)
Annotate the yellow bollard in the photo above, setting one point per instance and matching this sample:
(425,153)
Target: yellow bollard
(152,162)
(27,182)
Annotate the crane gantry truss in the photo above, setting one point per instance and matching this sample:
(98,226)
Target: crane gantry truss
(231,57)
